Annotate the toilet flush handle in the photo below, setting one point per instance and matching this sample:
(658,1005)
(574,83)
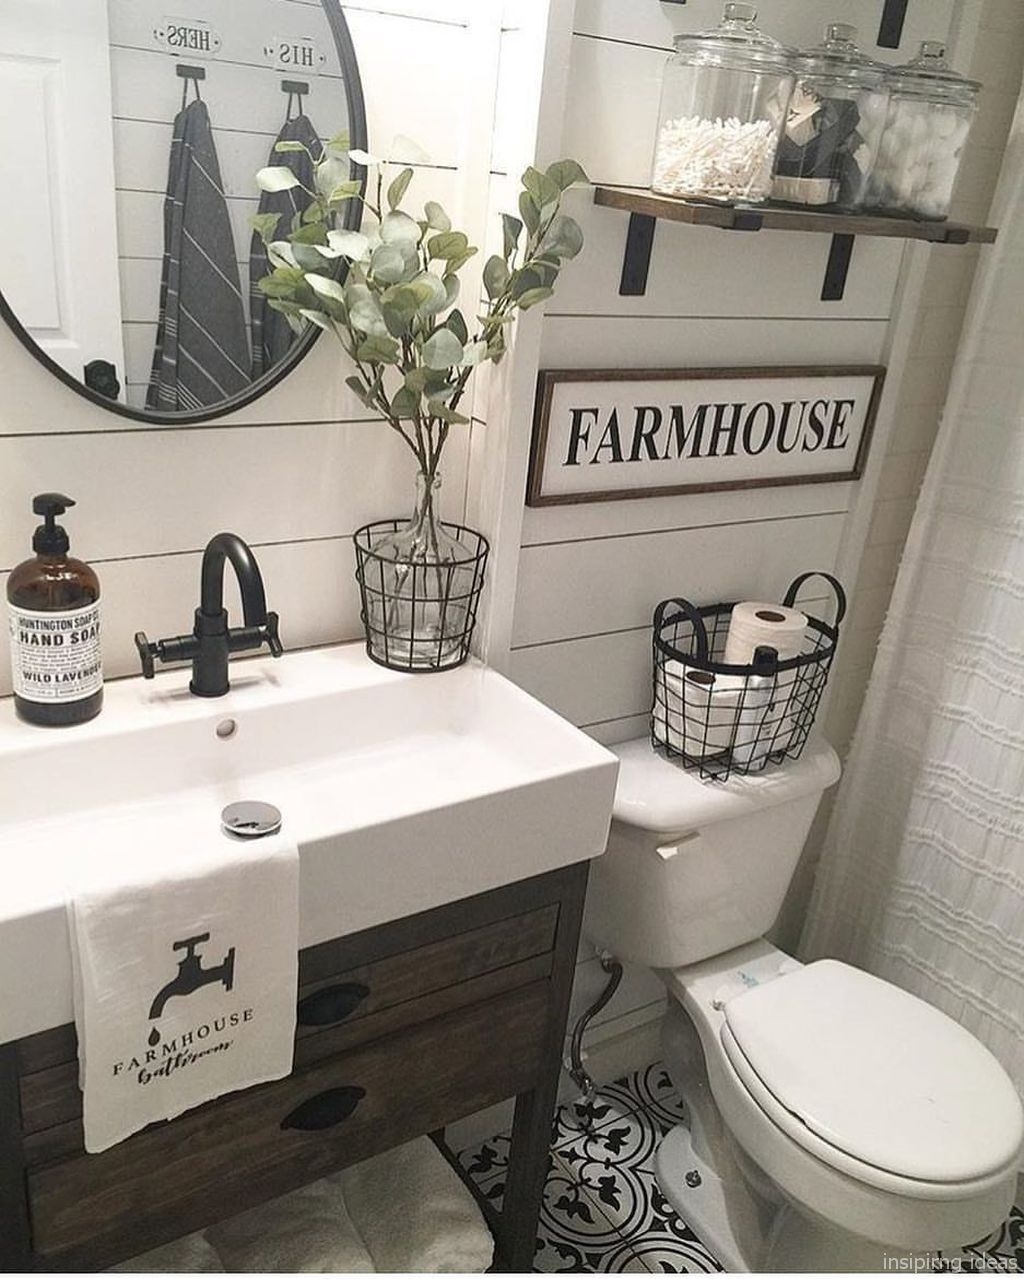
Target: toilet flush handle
(667,851)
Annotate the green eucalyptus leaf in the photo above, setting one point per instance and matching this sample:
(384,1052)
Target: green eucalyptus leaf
(312,233)
(398,188)
(290,146)
(378,348)
(325,287)
(566,173)
(533,296)
(436,217)
(340,142)
(433,293)
(397,227)
(307,256)
(265,224)
(541,188)
(529,211)
(295,322)
(497,346)
(563,238)
(447,245)
(314,212)
(359,388)
(511,229)
(456,322)
(416,380)
(457,263)
(496,276)
(442,350)
(405,403)
(276,177)
(350,244)
(396,322)
(283,282)
(280,253)
(364,158)
(331,172)
(524,280)
(318,318)
(437,409)
(451,290)
(474,354)
(387,264)
(342,192)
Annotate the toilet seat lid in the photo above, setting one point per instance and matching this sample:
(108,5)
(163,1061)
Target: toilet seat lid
(878,1073)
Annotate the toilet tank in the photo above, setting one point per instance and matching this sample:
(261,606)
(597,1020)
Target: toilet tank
(695,868)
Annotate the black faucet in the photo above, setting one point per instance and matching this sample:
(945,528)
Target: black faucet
(192,974)
(212,641)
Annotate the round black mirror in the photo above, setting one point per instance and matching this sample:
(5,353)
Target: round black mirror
(135,236)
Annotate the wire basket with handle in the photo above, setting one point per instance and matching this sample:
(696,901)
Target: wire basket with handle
(721,718)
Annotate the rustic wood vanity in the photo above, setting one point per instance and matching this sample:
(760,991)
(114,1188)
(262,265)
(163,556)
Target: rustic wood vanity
(403,1028)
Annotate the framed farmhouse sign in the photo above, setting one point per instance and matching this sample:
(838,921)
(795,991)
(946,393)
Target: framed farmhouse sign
(603,435)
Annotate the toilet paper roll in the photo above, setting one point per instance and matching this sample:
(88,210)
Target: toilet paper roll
(755,624)
(696,711)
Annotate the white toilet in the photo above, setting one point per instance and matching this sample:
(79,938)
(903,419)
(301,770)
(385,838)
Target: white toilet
(832,1117)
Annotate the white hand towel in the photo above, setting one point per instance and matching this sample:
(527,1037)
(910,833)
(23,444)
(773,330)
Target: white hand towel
(415,1215)
(308,1231)
(184,944)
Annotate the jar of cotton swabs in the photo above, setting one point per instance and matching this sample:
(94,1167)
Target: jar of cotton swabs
(724,99)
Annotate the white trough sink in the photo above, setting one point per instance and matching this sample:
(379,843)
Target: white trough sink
(403,792)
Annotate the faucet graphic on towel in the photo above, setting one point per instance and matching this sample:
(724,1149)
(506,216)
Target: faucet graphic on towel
(191,976)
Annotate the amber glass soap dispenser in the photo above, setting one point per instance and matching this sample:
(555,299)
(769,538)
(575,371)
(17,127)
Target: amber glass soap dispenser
(53,602)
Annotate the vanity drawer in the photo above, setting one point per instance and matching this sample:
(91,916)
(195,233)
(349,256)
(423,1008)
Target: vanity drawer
(239,1151)
(339,1008)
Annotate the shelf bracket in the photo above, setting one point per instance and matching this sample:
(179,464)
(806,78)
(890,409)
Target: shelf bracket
(890,28)
(637,260)
(837,268)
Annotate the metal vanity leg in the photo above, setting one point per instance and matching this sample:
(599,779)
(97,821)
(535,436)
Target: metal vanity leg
(535,1109)
(15,1231)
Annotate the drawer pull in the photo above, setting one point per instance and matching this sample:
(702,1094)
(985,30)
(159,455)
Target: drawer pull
(332,1004)
(325,1109)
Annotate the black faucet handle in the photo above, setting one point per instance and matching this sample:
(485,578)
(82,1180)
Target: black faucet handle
(272,635)
(147,652)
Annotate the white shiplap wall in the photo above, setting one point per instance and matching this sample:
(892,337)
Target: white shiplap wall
(589,576)
(298,470)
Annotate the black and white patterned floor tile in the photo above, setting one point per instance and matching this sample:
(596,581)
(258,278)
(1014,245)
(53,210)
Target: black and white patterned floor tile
(604,1212)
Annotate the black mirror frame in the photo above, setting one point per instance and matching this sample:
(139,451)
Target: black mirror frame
(358,140)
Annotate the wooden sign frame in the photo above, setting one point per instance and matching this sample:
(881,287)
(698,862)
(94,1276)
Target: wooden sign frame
(550,380)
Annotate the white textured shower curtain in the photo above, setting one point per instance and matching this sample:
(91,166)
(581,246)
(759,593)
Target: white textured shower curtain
(922,876)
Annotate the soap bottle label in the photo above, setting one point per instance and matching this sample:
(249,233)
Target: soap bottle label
(55,657)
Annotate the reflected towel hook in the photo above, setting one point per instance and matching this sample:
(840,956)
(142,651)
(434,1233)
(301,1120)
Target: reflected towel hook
(294,89)
(191,75)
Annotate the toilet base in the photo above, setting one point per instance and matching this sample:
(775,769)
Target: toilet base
(706,1203)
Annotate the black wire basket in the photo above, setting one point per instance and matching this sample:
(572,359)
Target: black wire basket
(418,615)
(720,718)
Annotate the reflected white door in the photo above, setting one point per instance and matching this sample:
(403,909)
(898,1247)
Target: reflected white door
(58,219)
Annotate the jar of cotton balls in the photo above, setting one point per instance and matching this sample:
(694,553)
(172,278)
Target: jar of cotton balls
(931,107)
(723,104)
(834,126)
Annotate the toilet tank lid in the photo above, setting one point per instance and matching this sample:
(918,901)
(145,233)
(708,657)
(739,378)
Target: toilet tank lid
(659,794)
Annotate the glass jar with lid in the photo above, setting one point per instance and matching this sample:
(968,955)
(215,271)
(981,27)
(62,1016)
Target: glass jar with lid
(834,125)
(723,105)
(931,108)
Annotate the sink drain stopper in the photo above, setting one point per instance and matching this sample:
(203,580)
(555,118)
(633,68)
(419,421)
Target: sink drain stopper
(251,819)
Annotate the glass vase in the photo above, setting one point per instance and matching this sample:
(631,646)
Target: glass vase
(420,584)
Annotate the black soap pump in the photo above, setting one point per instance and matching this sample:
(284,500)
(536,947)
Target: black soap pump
(54,612)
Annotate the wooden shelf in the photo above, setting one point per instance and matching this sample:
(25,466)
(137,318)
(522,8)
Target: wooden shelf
(645,209)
